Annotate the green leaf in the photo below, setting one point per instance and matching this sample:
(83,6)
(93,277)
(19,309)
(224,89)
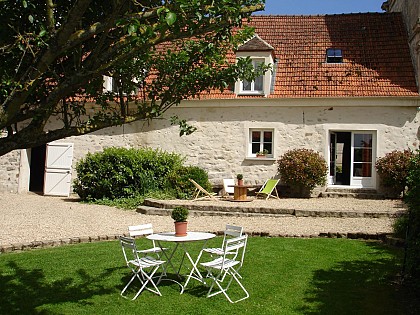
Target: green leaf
(42,33)
(170,18)
(25,4)
(31,18)
(132,29)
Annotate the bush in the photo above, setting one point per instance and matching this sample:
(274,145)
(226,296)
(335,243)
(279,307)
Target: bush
(412,267)
(120,172)
(180,214)
(303,168)
(181,187)
(393,170)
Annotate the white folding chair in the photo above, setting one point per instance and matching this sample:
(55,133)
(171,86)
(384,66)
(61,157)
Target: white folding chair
(139,267)
(224,269)
(143,230)
(231,231)
(228,188)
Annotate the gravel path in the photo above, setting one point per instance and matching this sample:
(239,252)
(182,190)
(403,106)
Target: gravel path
(31,217)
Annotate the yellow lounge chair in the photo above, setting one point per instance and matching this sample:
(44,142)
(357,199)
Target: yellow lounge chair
(267,189)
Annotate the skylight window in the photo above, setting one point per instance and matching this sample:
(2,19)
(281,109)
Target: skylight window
(334,55)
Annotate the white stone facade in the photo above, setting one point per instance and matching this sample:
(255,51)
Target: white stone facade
(220,144)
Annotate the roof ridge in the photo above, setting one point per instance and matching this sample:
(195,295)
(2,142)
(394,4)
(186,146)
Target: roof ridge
(319,15)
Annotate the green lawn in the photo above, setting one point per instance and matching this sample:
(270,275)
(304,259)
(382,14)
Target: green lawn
(283,276)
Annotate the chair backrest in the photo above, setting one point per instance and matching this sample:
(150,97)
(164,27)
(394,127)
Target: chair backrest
(233,230)
(228,182)
(202,190)
(139,230)
(236,246)
(269,185)
(198,186)
(129,249)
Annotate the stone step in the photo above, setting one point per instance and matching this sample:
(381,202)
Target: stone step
(164,208)
(358,195)
(352,190)
(167,212)
(218,208)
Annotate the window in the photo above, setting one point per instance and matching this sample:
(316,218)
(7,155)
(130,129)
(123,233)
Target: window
(256,86)
(113,85)
(261,140)
(334,55)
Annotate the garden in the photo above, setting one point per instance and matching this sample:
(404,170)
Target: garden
(282,276)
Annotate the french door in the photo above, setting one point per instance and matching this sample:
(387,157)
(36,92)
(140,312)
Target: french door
(352,156)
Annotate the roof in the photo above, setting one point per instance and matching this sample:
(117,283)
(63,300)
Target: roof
(256,43)
(376,55)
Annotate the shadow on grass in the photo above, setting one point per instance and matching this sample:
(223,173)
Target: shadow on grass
(360,287)
(22,290)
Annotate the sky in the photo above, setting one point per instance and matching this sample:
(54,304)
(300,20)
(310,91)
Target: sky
(313,7)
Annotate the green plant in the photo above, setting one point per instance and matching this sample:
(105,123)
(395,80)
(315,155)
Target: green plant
(303,168)
(239,176)
(120,172)
(178,183)
(412,266)
(179,214)
(393,170)
(263,152)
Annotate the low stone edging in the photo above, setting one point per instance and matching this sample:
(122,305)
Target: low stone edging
(384,237)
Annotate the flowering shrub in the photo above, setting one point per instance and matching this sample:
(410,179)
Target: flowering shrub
(393,169)
(303,167)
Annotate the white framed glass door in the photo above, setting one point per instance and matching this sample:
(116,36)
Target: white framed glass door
(362,166)
(351,158)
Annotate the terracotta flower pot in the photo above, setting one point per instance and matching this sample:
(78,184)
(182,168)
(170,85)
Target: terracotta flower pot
(180,228)
(240,182)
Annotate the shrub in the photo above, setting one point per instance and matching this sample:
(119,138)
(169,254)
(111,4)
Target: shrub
(180,214)
(120,172)
(393,170)
(412,267)
(181,187)
(303,168)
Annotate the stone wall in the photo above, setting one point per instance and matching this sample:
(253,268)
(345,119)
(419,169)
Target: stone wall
(9,175)
(220,143)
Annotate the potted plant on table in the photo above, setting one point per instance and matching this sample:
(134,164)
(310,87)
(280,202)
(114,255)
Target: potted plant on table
(180,215)
(262,154)
(240,179)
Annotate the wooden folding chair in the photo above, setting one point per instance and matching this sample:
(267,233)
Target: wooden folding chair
(268,188)
(200,190)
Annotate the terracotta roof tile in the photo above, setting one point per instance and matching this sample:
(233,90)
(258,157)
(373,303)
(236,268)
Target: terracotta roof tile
(256,44)
(376,57)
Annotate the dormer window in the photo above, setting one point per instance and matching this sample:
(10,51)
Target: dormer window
(260,53)
(334,55)
(113,85)
(256,86)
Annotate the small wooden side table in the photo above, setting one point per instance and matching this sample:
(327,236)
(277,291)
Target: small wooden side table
(240,192)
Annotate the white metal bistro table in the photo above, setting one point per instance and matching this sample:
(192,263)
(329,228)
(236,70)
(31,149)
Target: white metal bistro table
(183,241)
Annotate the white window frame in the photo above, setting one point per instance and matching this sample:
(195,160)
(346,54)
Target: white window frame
(255,62)
(109,85)
(335,57)
(262,144)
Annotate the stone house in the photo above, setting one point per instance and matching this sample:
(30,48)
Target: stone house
(343,85)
